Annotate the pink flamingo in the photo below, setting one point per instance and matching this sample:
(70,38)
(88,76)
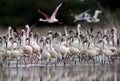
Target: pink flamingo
(35,46)
(51,19)
(27,49)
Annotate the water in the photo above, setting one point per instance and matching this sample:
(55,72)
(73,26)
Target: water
(62,73)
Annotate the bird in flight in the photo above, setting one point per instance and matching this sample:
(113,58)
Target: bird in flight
(82,16)
(52,18)
(85,16)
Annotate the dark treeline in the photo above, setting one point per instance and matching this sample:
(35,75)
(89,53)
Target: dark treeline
(21,12)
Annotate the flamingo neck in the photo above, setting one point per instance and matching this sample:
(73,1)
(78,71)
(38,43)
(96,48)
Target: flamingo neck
(104,42)
(43,20)
(96,14)
(51,42)
(27,33)
(31,39)
(66,31)
(105,32)
(23,38)
(115,37)
(78,29)
(9,34)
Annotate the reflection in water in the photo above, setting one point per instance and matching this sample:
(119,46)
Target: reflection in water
(67,73)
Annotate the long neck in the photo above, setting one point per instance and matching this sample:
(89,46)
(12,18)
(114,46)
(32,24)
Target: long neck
(78,29)
(43,20)
(31,39)
(115,36)
(96,15)
(23,38)
(66,31)
(9,34)
(51,41)
(105,32)
(27,33)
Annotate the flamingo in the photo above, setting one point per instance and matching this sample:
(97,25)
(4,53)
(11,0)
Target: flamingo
(108,51)
(85,16)
(46,53)
(7,38)
(27,49)
(15,52)
(114,33)
(94,18)
(52,50)
(34,45)
(82,16)
(51,19)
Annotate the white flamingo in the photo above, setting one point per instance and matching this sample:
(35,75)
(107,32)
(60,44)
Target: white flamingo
(114,33)
(82,16)
(52,50)
(51,19)
(85,16)
(108,51)
(46,53)
(92,50)
(16,52)
(94,18)
(8,36)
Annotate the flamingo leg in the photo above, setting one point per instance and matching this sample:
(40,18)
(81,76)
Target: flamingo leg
(36,59)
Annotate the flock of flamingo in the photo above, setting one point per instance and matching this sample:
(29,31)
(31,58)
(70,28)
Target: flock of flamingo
(73,46)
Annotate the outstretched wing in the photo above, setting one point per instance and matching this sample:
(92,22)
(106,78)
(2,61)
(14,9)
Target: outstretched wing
(46,16)
(32,27)
(56,10)
(83,13)
(87,11)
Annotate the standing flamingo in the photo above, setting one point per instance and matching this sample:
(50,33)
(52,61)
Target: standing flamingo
(35,47)
(51,19)
(27,49)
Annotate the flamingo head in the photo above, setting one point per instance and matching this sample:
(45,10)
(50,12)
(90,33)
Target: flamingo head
(113,30)
(11,39)
(56,20)
(30,34)
(85,41)
(98,11)
(9,28)
(40,19)
(26,26)
(100,41)
(23,32)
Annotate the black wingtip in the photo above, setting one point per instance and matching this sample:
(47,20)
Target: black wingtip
(39,9)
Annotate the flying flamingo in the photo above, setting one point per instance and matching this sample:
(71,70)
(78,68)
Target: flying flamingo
(51,19)
(84,16)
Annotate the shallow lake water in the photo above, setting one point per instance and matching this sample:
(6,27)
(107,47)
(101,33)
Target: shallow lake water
(62,73)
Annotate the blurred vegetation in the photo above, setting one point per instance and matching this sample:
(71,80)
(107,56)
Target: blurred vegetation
(21,12)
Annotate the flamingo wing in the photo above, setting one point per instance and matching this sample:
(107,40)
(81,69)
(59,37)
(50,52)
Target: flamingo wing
(56,10)
(87,11)
(83,13)
(46,16)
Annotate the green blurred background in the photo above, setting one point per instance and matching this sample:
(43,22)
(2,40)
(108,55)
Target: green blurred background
(21,12)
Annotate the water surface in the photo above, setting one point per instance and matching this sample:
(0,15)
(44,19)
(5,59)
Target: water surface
(62,73)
